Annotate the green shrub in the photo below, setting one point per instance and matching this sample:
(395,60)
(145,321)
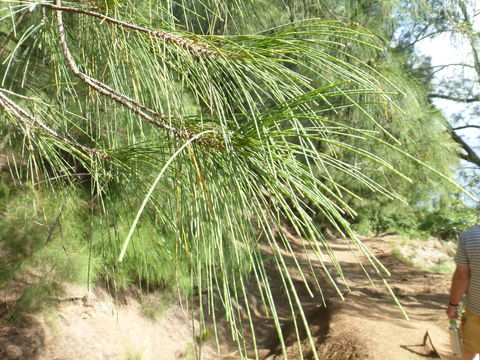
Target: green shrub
(381,221)
(417,222)
(62,235)
(449,223)
(35,298)
(363,226)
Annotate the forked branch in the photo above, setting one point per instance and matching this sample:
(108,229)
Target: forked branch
(133,105)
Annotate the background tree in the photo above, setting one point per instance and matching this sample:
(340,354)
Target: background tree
(453,85)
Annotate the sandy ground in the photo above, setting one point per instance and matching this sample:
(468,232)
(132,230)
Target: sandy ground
(366,325)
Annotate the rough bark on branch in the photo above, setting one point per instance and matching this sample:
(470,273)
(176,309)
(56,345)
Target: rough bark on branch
(160,34)
(133,105)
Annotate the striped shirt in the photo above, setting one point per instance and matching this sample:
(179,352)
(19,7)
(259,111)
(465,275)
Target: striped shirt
(468,254)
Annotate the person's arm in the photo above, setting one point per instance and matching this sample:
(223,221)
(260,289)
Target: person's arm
(460,280)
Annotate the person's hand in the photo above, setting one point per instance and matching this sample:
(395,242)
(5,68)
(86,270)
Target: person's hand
(452,312)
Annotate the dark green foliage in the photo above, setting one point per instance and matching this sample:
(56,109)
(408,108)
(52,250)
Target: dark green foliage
(448,223)
(377,222)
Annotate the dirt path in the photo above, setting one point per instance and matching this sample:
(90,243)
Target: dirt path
(368,312)
(366,325)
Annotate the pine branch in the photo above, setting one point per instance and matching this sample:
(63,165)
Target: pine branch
(125,101)
(12,108)
(160,34)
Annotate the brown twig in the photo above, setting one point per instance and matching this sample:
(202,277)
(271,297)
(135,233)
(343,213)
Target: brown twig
(12,108)
(160,34)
